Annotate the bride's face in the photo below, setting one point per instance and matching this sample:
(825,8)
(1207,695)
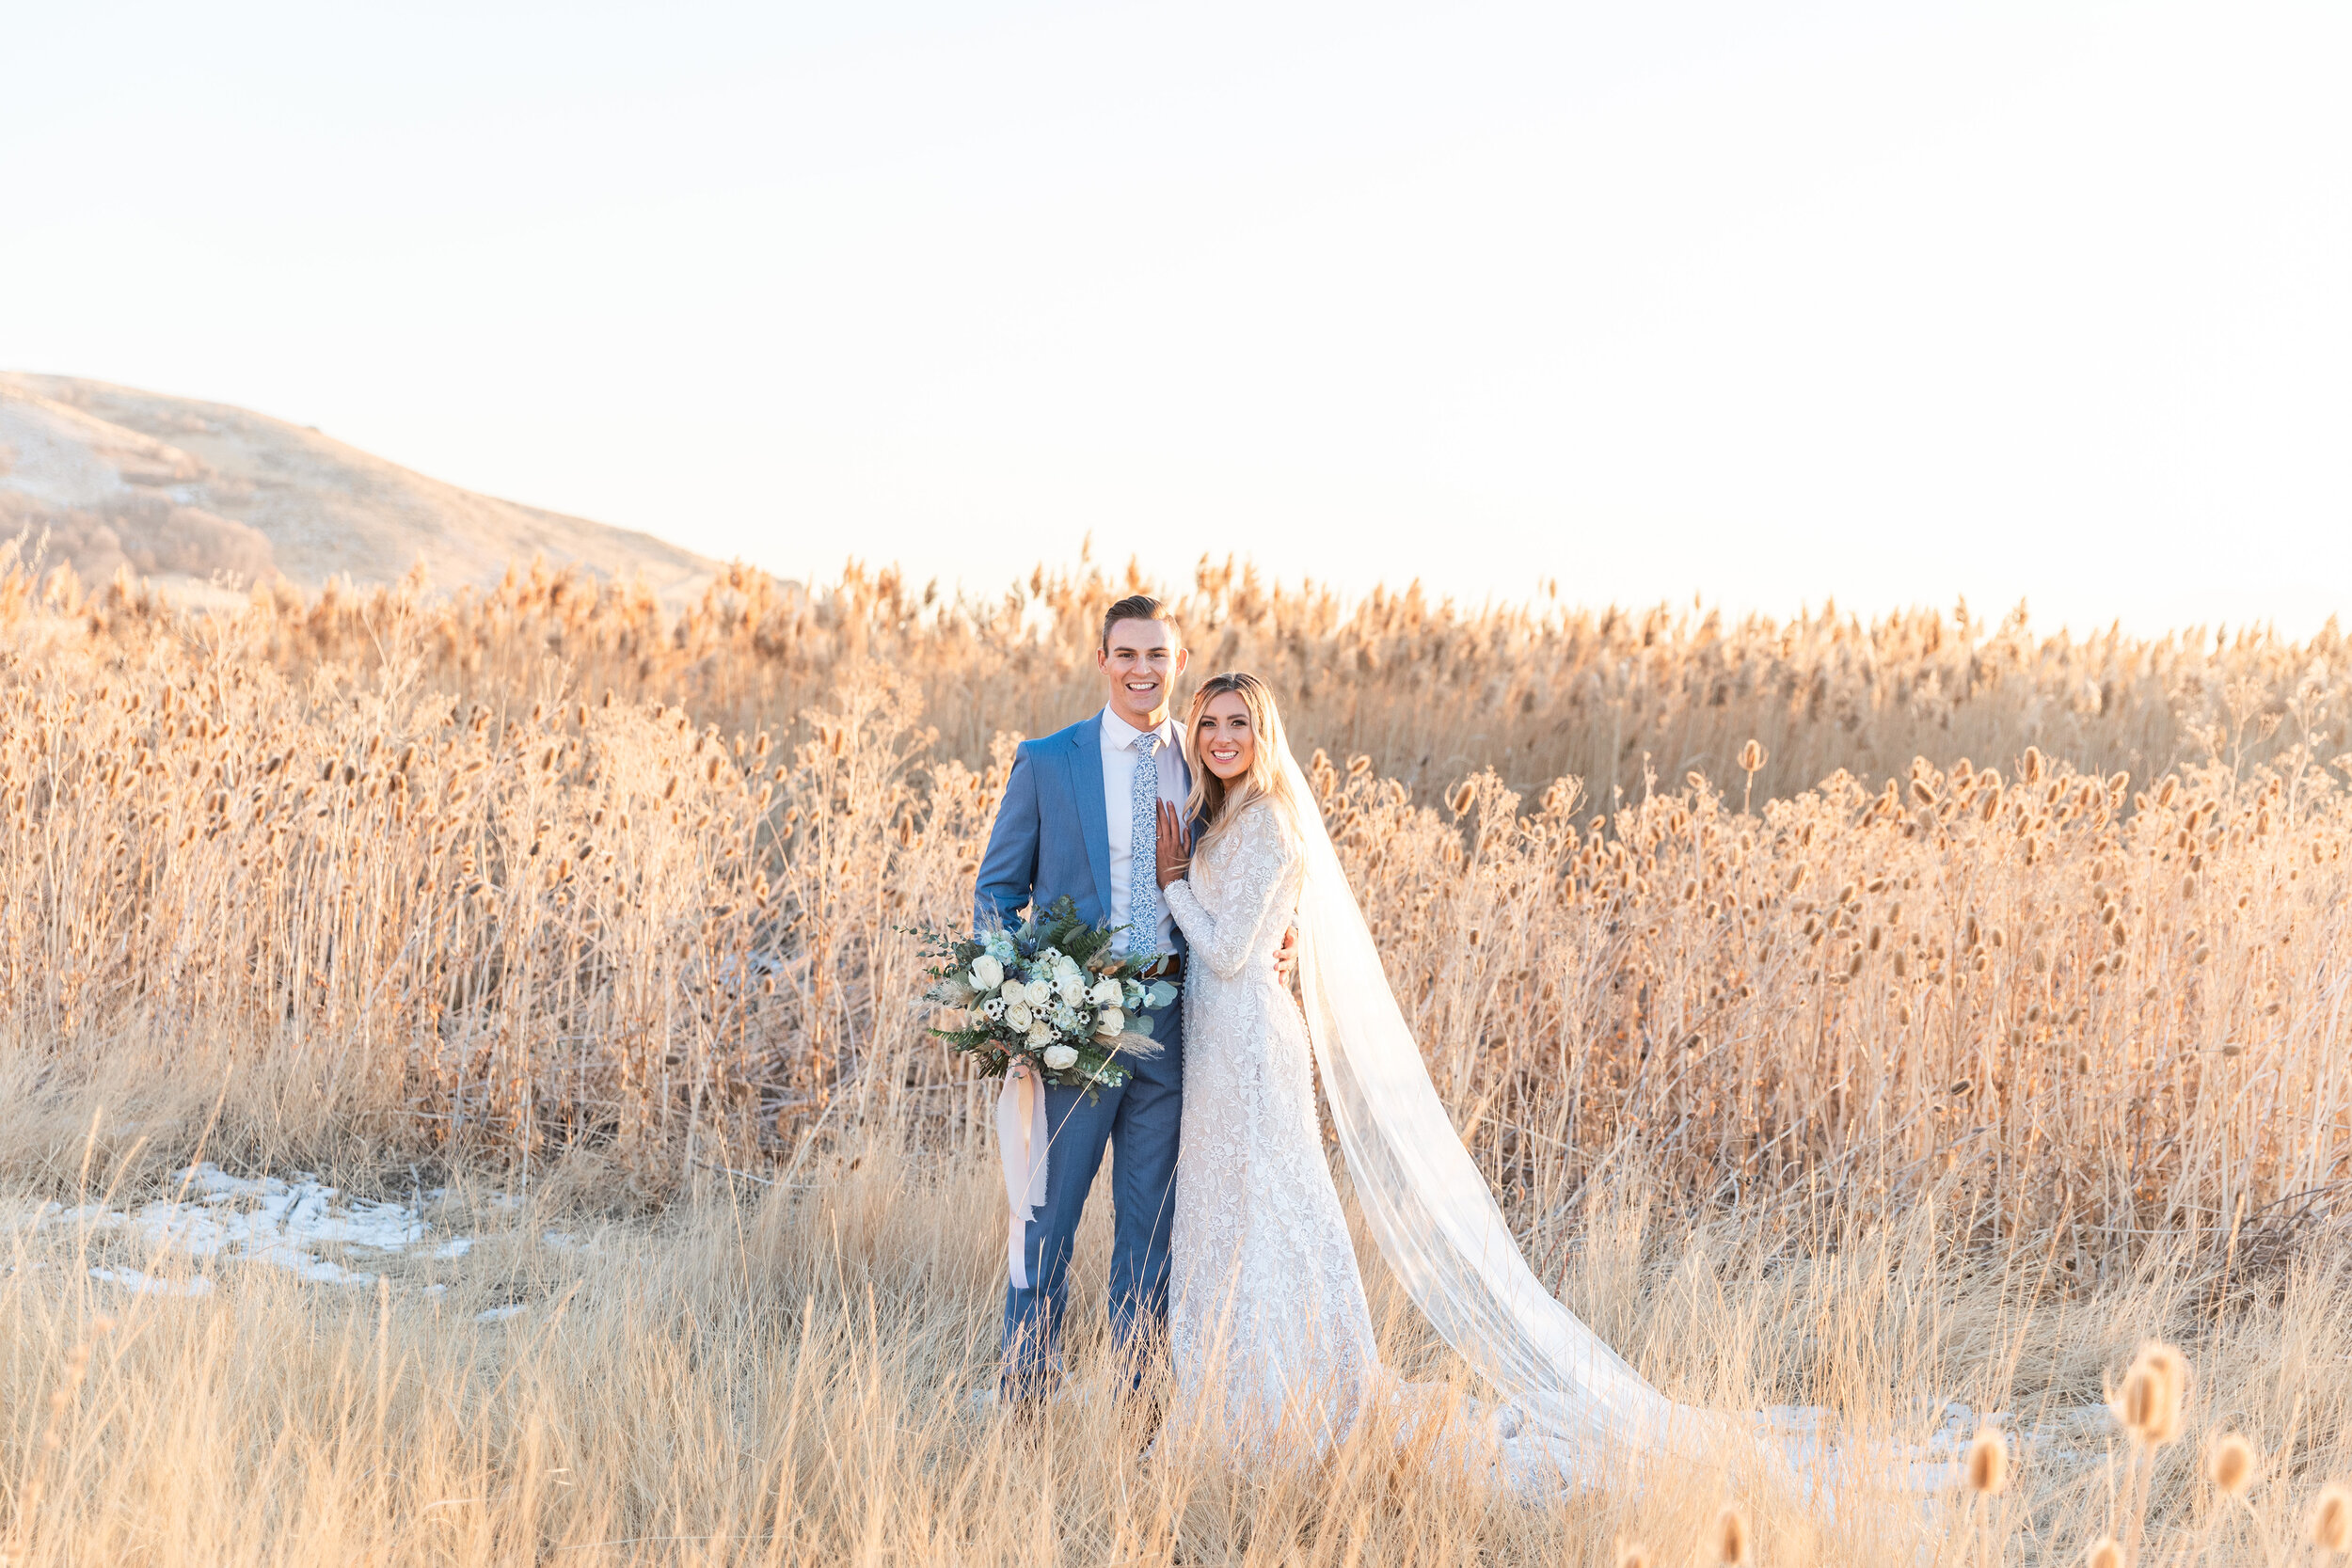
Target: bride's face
(1223,737)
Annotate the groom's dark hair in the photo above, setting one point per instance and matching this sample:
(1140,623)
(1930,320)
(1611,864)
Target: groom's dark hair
(1137,606)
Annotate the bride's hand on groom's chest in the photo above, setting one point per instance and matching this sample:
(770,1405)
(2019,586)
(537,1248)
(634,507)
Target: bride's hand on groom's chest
(1175,845)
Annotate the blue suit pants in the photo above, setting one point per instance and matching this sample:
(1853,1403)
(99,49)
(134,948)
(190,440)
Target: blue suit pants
(1139,1123)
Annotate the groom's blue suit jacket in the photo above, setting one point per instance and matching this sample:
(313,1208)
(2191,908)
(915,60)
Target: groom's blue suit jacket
(1052,836)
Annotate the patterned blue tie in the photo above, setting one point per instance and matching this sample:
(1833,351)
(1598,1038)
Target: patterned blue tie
(1143,861)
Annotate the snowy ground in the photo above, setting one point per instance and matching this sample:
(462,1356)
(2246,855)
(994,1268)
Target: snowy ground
(215,1222)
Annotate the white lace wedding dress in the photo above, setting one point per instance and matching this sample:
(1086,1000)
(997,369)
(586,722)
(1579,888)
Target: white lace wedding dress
(1268,1329)
(1269,1332)
(1270,1335)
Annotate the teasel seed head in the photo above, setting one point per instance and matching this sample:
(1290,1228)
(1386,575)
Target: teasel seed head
(2155,1388)
(2230,1464)
(1987,1461)
(1731,1537)
(2332,1519)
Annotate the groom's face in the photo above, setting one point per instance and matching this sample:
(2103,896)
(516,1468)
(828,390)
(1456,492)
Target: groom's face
(1142,660)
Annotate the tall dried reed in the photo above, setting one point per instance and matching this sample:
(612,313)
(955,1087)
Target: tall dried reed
(554,915)
(1430,691)
(1899,1078)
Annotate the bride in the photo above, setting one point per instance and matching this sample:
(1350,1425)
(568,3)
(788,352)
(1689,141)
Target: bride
(1269,1330)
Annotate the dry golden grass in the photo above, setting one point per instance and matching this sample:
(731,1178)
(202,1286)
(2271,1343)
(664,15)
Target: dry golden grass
(1918,1079)
(786,1377)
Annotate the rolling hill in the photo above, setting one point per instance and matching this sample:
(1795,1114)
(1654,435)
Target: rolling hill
(205,499)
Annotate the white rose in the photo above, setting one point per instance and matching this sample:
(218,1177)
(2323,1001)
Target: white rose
(1109,1024)
(1016,1016)
(1041,994)
(1060,1058)
(1041,1032)
(1105,993)
(1074,988)
(987,973)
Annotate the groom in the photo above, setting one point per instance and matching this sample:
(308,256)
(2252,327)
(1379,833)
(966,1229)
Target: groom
(1079,817)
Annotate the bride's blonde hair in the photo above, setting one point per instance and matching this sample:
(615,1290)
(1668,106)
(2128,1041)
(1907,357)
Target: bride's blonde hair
(1214,804)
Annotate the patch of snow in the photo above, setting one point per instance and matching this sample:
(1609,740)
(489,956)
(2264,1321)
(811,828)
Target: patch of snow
(260,1219)
(148,1285)
(290,1223)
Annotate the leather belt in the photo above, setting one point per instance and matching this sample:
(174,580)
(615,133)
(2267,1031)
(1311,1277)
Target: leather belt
(1167,966)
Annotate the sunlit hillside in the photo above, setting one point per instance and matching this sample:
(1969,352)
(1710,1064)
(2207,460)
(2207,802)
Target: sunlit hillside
(206,499)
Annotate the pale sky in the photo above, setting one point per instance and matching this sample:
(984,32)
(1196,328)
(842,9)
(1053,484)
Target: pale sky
(1766,302)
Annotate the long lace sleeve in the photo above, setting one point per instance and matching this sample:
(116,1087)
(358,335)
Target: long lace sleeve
(1258,877)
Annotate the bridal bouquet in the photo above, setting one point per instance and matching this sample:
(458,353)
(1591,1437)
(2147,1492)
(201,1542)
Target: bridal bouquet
(1058,996)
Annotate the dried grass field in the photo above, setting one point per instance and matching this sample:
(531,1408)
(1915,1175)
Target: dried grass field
(1982,1021)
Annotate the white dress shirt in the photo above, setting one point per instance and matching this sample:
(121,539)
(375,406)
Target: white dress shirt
(1119,782)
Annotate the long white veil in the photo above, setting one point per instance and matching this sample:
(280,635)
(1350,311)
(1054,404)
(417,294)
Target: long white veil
(1427,1205)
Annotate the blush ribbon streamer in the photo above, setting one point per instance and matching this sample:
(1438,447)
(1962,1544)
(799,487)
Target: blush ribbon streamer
(1021,1139)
